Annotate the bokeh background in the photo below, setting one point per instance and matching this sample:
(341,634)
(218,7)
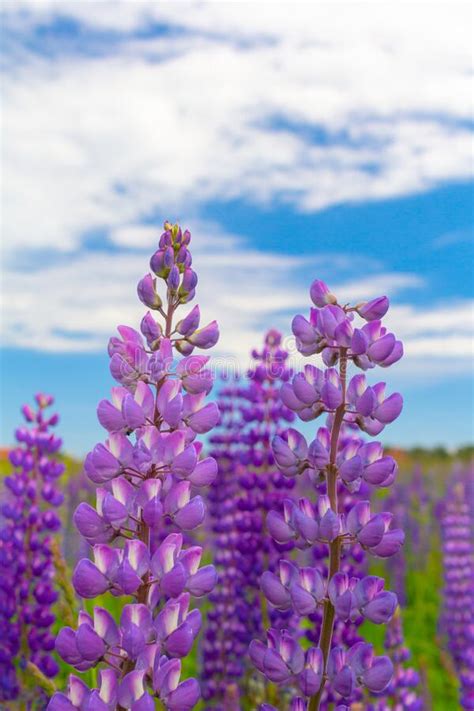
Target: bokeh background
(295,141)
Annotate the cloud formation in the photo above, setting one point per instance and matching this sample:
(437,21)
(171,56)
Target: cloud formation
(226,101)
(163,108)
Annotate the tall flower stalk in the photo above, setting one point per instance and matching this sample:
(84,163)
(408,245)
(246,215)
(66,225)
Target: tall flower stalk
(28,520)
(333,332)
(457,618)
(147,472)
(248,485)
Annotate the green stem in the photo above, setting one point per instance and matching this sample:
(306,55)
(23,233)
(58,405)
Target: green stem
(327,626)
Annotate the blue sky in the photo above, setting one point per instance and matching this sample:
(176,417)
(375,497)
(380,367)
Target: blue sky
(294,145)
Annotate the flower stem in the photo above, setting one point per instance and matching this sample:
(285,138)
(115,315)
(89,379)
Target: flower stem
(327,625)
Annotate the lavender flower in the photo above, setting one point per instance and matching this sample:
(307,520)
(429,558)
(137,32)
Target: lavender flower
(332,332)
(147,472)
(28,520)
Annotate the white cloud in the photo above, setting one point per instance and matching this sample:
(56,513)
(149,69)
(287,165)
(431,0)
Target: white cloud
(227,107)
(99,142)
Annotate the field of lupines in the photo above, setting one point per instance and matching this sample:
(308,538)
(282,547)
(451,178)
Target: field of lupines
(211,554)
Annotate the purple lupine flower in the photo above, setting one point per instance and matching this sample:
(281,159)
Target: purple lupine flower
(148,473)
(334,461)
(248,485)
(27,522)
(457,618)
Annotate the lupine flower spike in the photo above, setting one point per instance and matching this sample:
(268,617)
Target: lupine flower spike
(248,485)
(148,471)
(333,332)
(28,521)
(457,619)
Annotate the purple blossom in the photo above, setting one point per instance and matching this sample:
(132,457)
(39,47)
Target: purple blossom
(27,588)
(147,472)
(457,618)
(337,465)
(247,486)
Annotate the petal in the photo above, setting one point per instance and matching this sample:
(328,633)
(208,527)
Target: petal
(191,515)
(378,676)
(88,581)
(90,646)
(184,697)
(274,591)
(202,582)
(390,409)
(131,688)
(257,651)
(204,419)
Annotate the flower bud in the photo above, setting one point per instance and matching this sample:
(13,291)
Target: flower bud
(373,310)
(146,290)
(321,295)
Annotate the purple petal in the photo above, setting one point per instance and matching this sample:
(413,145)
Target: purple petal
(372,533)
(114,512)
(133,640)
(274,667)
(377,472)
(375,309)
(329,526)
(390,544)
(274,591)
(320,294)
(179,642)
(172,583)
(380,610)
(60,702)
(132,412)
(204,419)
(110,417)
(131,688)
(90,646)
(390,409)
(191,515)
(378,676)
(394,356)
(366,403)
(87,579)
(303,602)
(382,347)
(204,473)
(144,703)
(202,582)
(257,651)
(91,525)
(153,512)
(66,646)
(278,529)
(184,697)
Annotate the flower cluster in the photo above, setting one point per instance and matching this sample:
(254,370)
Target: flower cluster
(224,647)
(248,485)
(332,332)
(28,520)
(457,620)
(149,472)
